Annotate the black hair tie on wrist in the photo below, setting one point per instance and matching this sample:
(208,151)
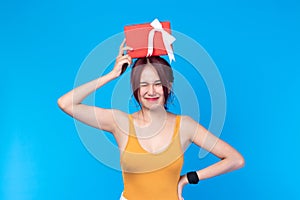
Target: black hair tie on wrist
(192,177)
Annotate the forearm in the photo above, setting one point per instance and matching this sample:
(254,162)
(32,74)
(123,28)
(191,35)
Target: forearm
(77,95)
(221,167)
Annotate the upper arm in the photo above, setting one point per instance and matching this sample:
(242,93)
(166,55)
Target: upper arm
(104,119)
(203,138)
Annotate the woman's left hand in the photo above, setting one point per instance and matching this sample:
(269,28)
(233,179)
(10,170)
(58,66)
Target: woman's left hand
(181,183)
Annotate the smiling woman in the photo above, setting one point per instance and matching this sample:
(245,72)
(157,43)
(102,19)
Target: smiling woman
(151,80)
(152,140)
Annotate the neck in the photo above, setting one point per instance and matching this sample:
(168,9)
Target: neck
(154,115)
(150,122)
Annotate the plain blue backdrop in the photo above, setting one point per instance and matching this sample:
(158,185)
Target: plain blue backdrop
(255,45)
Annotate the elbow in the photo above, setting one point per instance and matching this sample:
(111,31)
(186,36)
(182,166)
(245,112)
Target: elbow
(63,105)
(239,162)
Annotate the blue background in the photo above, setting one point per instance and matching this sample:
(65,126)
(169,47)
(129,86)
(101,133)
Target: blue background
(255,45)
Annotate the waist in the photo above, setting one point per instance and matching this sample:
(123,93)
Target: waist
(159,184)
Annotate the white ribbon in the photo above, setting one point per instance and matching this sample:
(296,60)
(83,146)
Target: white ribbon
(168,39)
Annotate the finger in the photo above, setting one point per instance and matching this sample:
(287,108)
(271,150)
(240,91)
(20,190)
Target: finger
(126,48)
(130,59)
(179,192)
(123,67)
(123,43)
(123,57)
(121,47)
(124,60)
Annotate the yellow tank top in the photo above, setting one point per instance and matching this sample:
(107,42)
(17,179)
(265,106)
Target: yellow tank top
(149,176)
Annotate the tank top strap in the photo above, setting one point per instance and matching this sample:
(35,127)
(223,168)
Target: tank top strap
(177,126)
(132,141)
(131,126)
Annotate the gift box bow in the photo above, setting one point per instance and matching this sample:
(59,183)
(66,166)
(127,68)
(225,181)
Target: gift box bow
(168,39)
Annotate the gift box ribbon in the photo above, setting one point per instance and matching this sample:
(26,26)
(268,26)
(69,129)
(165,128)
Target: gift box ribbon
(168,39)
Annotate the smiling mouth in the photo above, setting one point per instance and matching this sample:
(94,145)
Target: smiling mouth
(152,99)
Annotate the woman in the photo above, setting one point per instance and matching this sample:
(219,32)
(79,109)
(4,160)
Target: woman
(152,140)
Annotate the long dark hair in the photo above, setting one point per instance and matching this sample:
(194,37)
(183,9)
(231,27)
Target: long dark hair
(164,72)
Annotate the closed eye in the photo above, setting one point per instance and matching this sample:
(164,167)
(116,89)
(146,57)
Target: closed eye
(144,84)
(158,83)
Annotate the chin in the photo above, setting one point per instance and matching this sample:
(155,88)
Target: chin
(156,107)
(153,106)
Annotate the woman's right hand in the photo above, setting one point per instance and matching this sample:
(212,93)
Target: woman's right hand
(181,183)
(122,59)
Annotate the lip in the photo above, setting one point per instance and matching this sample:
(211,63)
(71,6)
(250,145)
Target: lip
(152,99)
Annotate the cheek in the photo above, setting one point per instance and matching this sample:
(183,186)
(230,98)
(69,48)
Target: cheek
(159,89)
(142,91)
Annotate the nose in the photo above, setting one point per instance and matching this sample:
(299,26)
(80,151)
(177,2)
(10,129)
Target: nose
(151,90)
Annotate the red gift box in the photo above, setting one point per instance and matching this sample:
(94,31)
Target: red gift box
(137,38)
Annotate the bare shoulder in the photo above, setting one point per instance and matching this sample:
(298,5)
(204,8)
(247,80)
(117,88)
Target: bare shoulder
(188,128)
(186,119)
(188,123)
(172,116)
(184,131)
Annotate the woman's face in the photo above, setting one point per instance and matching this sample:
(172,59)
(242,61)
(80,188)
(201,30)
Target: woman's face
(151,89)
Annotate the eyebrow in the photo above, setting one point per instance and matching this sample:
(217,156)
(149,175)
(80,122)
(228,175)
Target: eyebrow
(144,82)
